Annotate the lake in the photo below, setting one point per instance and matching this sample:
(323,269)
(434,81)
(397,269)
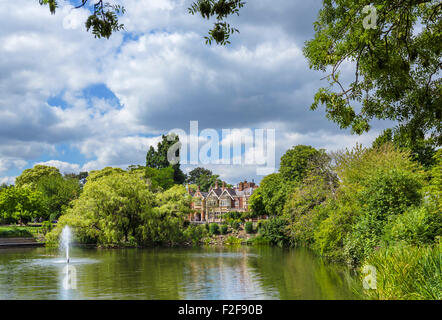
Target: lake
(173,273)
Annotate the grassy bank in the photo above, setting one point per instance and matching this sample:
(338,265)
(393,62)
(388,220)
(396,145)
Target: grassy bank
(20,232)
(407,273)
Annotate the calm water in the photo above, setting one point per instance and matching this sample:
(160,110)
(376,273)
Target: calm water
(190,273)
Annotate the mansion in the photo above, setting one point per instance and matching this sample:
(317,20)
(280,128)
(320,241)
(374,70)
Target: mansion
(210,206)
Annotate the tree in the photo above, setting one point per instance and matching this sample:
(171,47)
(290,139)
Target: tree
(160,178)
(203,178)
(57,193)
(109,209)
(295,162)
(21,205)
(274,190)
(256,203)
(397,64)
(104,19)
(159,159)
(118,208)
(30,177)
(422,150)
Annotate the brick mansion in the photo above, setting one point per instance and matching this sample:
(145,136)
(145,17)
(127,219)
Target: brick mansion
(210,206)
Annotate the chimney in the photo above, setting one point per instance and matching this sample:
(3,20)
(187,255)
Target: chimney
(224,185)
(216,184)
(240,186)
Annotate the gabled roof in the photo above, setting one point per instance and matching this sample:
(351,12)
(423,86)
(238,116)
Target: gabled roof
(230,192)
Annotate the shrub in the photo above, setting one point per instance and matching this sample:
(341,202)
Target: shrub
(214,228)
(195,233)
(232,241)
(249,227)
(46,226)
(224,229)
(417,226)
(235,224)
(275,231)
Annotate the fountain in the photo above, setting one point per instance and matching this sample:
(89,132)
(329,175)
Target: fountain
(65,241)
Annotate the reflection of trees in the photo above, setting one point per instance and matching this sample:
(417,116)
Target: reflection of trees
(178,273)
(298,274)
(134,274)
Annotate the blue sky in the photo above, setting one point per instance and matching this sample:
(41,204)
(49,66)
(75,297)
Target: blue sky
(79,103)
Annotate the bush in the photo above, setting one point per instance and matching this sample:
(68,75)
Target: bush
(407,272)
(417,226)
(224,229)
(232,241)
(235,224)
(195,233)
(275,231)
(249,227)
(214,228)
(46,226)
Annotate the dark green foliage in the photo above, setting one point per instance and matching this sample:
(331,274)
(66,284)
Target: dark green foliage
(214,228)
(220,9)
(396,65)
(224,229)
(168,148)
(160,178)
(195,233)
(46,226)
(104,19)
(203,178)
(274,230)
(248,227)
(57,193)
(272,194)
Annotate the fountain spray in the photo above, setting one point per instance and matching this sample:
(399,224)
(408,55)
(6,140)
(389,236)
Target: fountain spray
(66,236)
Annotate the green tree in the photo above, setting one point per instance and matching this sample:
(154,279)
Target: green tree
(57,193)
(21,205)
(256,203)
(160,178)
(422,150)
(30,177)
(168,148)
(109,210)
(104,19)
(397,64)
(203,178)
(295,162)
(274,191)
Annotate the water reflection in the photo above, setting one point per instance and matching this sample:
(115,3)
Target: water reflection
(190,273)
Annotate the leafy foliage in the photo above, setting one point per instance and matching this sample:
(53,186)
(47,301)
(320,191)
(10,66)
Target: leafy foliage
(104,19)
(21,205)
(221,9)
(30,177)
(167,149)
(295,162)
(203,178)
(57,193)
(397,64)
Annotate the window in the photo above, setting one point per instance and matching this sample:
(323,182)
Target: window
(225,202)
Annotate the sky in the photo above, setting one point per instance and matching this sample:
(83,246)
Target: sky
(78,103)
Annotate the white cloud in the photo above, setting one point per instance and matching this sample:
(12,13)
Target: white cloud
(64,167)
